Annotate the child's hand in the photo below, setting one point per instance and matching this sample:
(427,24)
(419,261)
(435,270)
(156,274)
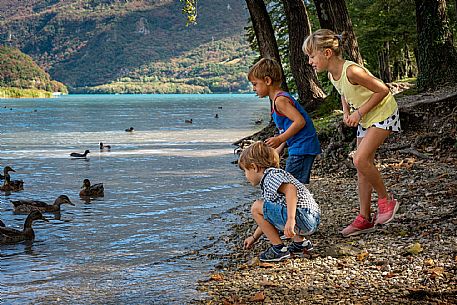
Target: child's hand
(353,119)
(273,142)
(289,229)
(345,118)
(248,242)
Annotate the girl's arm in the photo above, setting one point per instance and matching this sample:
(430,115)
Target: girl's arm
(284,106)
(290,191)
(358,76)
(345,110)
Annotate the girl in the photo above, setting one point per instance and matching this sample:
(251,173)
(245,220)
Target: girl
(369,106)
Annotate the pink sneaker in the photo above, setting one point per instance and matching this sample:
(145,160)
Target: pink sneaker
(386,210)
(358,226)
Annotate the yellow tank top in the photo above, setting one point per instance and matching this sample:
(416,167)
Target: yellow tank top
(357,95)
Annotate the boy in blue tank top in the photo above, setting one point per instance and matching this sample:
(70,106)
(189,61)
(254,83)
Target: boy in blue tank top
(296,129)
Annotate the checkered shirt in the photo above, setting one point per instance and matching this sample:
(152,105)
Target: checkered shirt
(273,178)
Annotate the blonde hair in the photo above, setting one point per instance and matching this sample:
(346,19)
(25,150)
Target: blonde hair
(266,67)
(259,154)
(324,39)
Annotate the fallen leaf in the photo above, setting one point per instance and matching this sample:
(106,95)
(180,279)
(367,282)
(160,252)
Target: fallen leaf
(437,271)
(362,255)
(390,275)
(254,262)
(414,249)
(267,283)
(429,262)
(266,265)
(216,277)
(258,297)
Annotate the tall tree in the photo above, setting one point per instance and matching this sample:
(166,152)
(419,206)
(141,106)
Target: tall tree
(436,55)
(334,15)
(309,90)
(264,32)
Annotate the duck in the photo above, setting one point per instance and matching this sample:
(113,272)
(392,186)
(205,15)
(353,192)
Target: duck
(104,147)
(188,121)
(10,235)
(78,155)
(6,170)
(27,206)
(130,129)
(95,190)
(11,185)
(216,116)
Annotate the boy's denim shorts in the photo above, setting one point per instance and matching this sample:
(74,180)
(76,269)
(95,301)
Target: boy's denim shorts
(300,167)
(306,221)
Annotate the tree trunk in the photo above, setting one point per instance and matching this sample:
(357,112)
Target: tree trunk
(264,32)
(309,90)
(334,15)
(436,55)
(384,67)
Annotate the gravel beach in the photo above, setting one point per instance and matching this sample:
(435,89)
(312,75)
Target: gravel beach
(412,260)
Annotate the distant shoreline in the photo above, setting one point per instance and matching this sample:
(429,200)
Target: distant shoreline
(11,92)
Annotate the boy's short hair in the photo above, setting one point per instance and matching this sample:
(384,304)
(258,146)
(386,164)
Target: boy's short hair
(266,67)
(259,154)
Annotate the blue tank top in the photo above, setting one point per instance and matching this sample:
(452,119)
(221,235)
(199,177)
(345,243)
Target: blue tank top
(304,142)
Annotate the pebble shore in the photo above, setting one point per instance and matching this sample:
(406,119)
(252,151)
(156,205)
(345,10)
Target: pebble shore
(412,260)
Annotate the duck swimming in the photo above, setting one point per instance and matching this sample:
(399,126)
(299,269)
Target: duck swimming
(10,235)
(11,185)
(96,190)
(104,147)
(27,206)
(6,170)
(130,129)
(189,121)
(78,155)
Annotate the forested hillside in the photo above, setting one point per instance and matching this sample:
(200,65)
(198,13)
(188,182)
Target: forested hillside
(18,70)
(90,43)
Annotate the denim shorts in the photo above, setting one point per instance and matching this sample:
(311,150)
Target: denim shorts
(300,167)
(306,221)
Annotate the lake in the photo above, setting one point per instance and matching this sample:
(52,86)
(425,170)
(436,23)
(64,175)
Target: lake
(163,182)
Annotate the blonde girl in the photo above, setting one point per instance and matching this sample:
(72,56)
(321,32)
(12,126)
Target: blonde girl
(368,105)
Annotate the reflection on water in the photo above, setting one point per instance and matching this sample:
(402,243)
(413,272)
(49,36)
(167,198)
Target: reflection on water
(162,183)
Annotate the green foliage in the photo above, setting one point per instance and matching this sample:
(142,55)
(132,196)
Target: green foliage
(214,67)
(378,22)
(20,71)
(9,92)
(190,10)
(94,42)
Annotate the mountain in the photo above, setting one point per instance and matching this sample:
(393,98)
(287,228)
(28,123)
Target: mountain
(18,70)
(100,43)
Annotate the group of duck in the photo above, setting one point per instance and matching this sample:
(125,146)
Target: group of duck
(35,208)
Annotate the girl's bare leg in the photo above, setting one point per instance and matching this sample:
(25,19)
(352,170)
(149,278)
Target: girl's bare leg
(368,175)
(267,228)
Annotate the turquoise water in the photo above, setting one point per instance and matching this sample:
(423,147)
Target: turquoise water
(162,184)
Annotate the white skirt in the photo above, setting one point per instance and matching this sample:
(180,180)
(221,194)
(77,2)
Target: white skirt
(392,123)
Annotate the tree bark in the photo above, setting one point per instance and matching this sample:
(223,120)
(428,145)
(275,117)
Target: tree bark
(334,15)
(309,89)
(384,68)
(436,55)
(264,32)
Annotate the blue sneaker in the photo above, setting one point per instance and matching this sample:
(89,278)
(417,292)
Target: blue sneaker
(300,248)
(274,255)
